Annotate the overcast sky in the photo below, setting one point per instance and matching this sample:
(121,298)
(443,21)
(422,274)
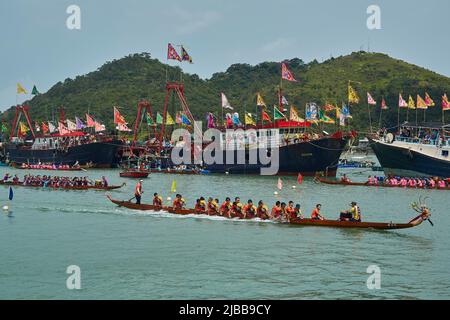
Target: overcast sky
(38,48)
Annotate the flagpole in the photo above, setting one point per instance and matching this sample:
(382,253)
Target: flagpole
(370,117)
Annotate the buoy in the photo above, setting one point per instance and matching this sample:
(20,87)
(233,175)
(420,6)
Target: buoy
(294,187)
(226,172)
(169,198)
(5,208)
(275,193)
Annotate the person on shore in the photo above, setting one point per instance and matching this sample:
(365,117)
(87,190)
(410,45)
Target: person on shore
(354,214)
(157,200)
(262,211)
(249,210)
(138,191)
(225,208)
(315,214)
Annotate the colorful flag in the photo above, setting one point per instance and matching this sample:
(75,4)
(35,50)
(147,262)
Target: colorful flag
(299,178)
(259,101)
(169,119)
(123,127)
(172,53)
(235,119)
(23,127)
(225,103)
(159,118)
(21,89)
(4,128)
(346,112)
(286,74)
(185,120)
(249,120)
(311,111)
(35,91)
(401,102)
(277,114)
(51,127)
(185,56)
(383,105)
(45,129)
(280,184)
(178,119)
(90,123)
(293,115)
(71,125)
(118,118)
(150,121)
(371,101)
(173,189)
(63,129)
(411,103)
(328,107)
(428,100)
(352,95)
(421,104)
(80,124)
(265,116)
(324,118)
(99,127)
(445,103)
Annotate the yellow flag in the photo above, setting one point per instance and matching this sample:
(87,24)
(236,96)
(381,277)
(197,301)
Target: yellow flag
(173,189)
(294,115)
(169,120)
(421,103)
(249,120)
(352,95)
(21,89)
(23,127)
(411,103)
(259,101)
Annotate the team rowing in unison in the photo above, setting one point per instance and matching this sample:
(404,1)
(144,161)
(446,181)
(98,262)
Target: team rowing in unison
(420,183)
(236,209)
(55,181)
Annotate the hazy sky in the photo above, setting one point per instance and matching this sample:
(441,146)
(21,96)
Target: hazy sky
(38,48)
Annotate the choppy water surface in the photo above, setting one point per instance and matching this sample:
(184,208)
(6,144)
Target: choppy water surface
(125,254)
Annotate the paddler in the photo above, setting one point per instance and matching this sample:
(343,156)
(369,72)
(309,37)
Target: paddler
(290,211)
(262,211)
(345,179)
(276,211)
(157,200)
(225,208)
(236,208)
(200,206)
(298,212)
(179,202)
(105,182)
(138,191)
(354,214)
(213,207)
(249,210)
(316,215)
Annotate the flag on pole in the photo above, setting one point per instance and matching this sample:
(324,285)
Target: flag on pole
(45,129)
(352,95)
(80,124)
(159,118)
(411,103)
(286,74)
(280,184)
(63,129)
(123,127)
(371,101)
(23,127)
(265,116)
(185,120)
(249,120)
(172,53)
(284,101)
(259,101)
(225,103)
(71,125)
(383,105)
(173,189)
(428,100)
(51,127)
(118,118)
(300,178)
(277,114)
(421,104)
(150,121)
(185,56)
(90,123)
(324,118)
(328,107)
(21,89)
(293,115)
(99,127)
(445,103)
(35,91)
(169,119)
(401,102)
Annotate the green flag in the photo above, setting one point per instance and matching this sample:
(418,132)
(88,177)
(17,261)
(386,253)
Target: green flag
(4,128)
(277,114)
(159,118)
(150,121)
(34,91)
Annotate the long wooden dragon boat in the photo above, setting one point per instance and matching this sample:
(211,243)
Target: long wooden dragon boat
(424,215)
(366,184)
(49,187)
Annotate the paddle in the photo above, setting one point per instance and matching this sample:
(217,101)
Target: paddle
(431,222)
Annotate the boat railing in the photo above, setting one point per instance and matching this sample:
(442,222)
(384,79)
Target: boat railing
(432,142)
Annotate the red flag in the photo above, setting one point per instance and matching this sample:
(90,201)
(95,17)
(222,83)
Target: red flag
(328,107)
(45,129)
(265,116)
(280,184)
(172,53)
(90,123)
(300,178)
(118,118)
(63,129)
(286,74)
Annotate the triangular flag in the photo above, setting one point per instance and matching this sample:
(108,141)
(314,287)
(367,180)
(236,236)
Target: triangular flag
(159,118)
(172,53)
(411,103)
(71,125)
(401,102)
(260,101)
(225,103)
(445,103)
(169,120)
(249,120)
(429,101)
(51,127)
(371,101)
(185,56)
(123,127)
(118,118)
(277,114)
(45,128)
(80,124)
(34,91)
(293,116)
(90,123)
(286,74)
(265,116)
(421,103)
(21,89)
(352,95)
(99,127)
(150,121)
(63,129)
(185,120)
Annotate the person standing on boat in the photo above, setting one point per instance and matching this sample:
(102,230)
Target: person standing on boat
(354,214)
(138,192)
(105,182)
(316,215)
(157,200)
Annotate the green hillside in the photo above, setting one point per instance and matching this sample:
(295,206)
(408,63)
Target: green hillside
(125,81)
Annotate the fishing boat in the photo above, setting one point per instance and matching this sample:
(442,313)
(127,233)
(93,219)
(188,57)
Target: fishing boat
(419,150)
(49,187)
(380,185)
(134,174)
(424,215)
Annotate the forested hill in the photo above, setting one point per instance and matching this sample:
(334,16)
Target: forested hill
(124,82)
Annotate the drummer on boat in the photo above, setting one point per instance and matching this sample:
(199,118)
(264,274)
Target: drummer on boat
(354,214)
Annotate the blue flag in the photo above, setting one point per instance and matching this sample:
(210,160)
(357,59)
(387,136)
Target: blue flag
(185,120)
(11,194)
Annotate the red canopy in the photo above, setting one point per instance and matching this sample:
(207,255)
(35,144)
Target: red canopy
(72,134)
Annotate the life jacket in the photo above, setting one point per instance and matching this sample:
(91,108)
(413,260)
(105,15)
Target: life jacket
(356,213)
(178,203)
(237,207)
(276,211)
(261,211)
(225,207)
(291,212)
(157,201)
(370,180)
(250,209)
(202,204)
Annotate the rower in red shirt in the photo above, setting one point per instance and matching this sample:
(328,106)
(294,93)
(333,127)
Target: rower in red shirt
(316,215)
(179,202)
(157,200)
(276,211)
(249,210)
(262,211)
(225,208)
(138,192)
